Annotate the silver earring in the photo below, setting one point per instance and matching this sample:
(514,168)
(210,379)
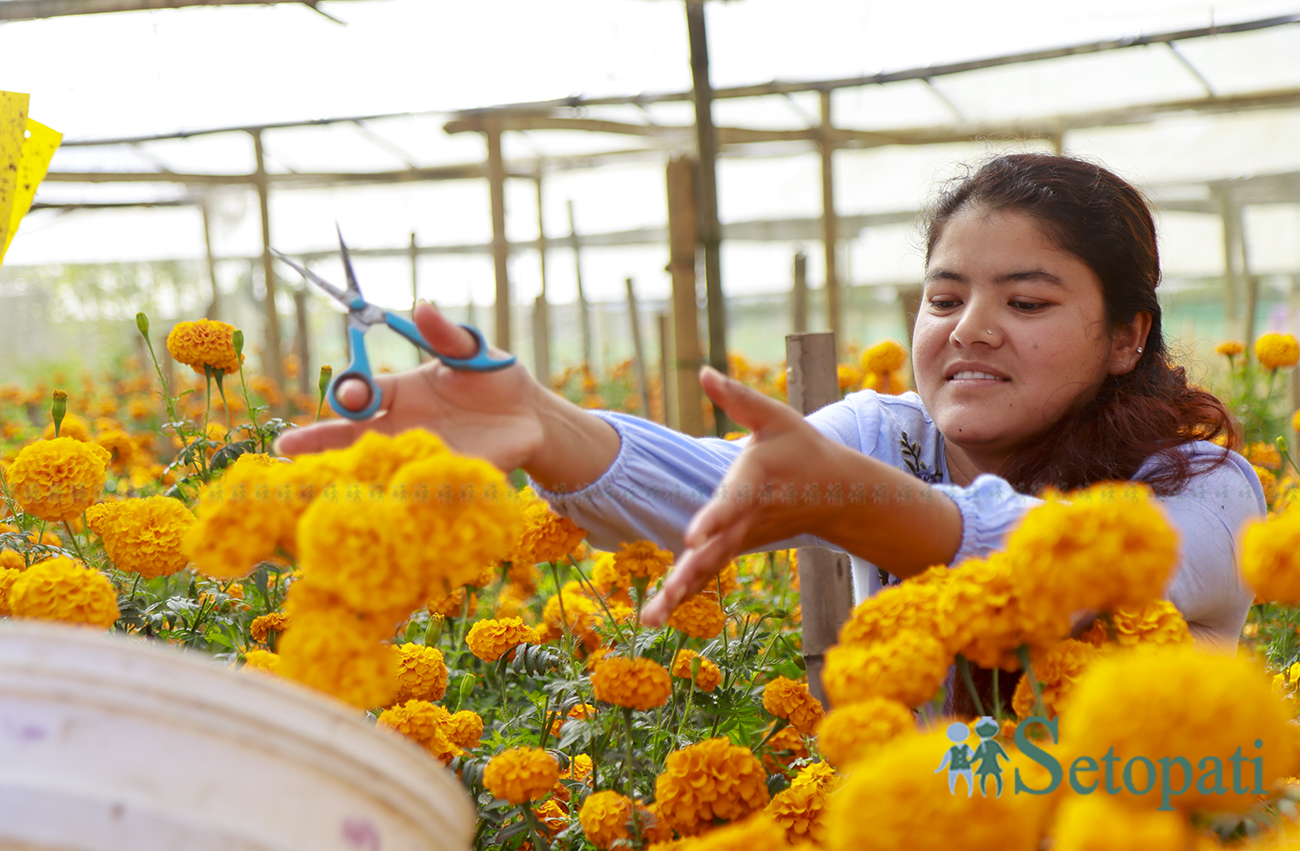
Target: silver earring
(1139,350)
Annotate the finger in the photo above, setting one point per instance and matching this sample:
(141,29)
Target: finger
(689,576)
(718,515)
(443,335)
(334,434)
(746,406)
(353,394)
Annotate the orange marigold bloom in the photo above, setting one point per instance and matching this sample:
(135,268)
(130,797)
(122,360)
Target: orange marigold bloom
(642,560)
(262,660)
(708,781)
(709,677)
(12,560)
(426,723)
(204,342)
(465,729)
(7,577)
(56,480)
(784,747)
(1277,350)
(1230,347)
(421,673)
(1056,668)
(909,668)
(546,536)
(636,683)
(327,650)
(489,640)
(521,774)
(884,357)
(73,427)
(59,589)
(143,536)
(578,612)
(453,605)
(700,616)
(798,810)
(581,712)
(262,625)
(579,771)
(788,699)
(606,818)
(850,733)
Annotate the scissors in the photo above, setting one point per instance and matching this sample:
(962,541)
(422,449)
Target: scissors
(362,315)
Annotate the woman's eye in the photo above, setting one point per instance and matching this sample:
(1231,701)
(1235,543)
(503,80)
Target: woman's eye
(1027,306)
(943,303)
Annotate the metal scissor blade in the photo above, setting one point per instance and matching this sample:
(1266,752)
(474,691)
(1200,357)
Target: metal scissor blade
(338,294)
(353,289)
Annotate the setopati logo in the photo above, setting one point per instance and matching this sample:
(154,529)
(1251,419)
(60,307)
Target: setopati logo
(1168,776)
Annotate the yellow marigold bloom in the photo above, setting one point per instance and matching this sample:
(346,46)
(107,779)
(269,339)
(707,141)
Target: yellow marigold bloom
(788,699)
(636,683)
(579,614)
(1101,823)
(848,376)
(7,578)
(454,605)
(1170,703)
(981,614)
(1230,348)
(375,458)
(426,723)
(581,712)
(73,427)
(262,660)
(12,560)
(120,445)
(700,616)
(1295,421)
(911,605)
(326,650)
(1269,483)
(884,358)
(1270,557)
(521,774)
(606,575)
(606,817)
(204,342)
(1158,622)
(553,815)
(909,668)
(1056,668)
(1274,351)
(453,515)
(643,561)
(546,536)
(242,518)
(852,732)
(709,677)
(465,728)
(579,771)
(421,673)
(798,810)
(262,625)
(896,799)
(59,589)
(1103,547)
(784,748)
(1263,455)
(143,535)
(56,480)
(306,595)
(756,833)
(489,640)
(708,781)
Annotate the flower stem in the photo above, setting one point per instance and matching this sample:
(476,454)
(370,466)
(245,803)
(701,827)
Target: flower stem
(964,667)
(1023,652)
(631,789)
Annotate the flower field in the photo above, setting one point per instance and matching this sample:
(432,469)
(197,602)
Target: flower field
(443,600)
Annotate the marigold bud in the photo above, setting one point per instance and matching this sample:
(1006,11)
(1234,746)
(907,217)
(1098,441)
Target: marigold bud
(58,409)
(326,372)
(142,322)
(238,339)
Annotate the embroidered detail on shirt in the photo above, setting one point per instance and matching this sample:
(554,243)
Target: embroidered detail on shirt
(917,467)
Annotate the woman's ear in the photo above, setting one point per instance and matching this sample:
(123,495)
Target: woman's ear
(1128,344)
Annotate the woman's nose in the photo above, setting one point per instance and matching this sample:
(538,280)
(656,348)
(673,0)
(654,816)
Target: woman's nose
(976,325)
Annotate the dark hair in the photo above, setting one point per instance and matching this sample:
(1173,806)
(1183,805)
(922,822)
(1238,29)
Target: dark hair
(1104,221)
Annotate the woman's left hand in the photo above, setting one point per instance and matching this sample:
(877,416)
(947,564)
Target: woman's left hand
(771,492)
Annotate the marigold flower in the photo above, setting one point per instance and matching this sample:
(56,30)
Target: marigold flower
(56,480)
(756,833)
(798,810)
(699,616)
(1102,823)
(1188,704)
(454,605)
(489,640)
(263,625)
(262,660)
(553,815)
(242,519)
(579,771)
(465,729)
(910,605)
(848,376)
(7,578)
(576,612)
(908,668)
(849,733)
(636,683)
(1274,351)
(1158,622)
(788,699)
(521,774)
(120,445)
(143,536)
(981,614)
(1056,668)
(708,781)
(884,358)
(709,677)
(421,673)
(1262,454)
(784,747)
(895,799)
(606,817)
(580,712)
(1295,421)
(59,589)
(643,561)
(205,342)
(426,723)
(327,650)
(1270,557)
(546,536)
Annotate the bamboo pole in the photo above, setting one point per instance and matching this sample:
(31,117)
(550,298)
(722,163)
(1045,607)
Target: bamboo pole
(584,317)
(667,413)
(830,223)
(686,406)
(541,310)
(302,342)
(500,248)
(825,576)
(272,353)
(638,351)
(413,254)
(214,309)
(1230,215)
(799,295)
(710,233)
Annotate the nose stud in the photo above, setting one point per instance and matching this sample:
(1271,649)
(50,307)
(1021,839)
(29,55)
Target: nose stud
(989,331)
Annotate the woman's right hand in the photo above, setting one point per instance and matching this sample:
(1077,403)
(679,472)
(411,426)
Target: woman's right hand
(496,415)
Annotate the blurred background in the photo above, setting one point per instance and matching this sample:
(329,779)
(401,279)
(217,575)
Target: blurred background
(522,155)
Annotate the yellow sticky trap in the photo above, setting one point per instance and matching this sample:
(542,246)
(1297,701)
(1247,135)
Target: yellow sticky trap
(23,172)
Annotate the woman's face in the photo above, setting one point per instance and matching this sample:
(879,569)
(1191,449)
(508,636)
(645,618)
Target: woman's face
(1011,333)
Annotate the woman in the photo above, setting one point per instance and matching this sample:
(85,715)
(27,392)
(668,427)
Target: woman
(1039,361)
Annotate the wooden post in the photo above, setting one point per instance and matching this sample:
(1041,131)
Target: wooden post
(710,231)
(799,295)
(830,222)
(272,359)
(214,309)
(584,319)
(306,384)
(681,265)
(825,576)
(500,247)
(541,310)
(1230,213)
(638,352)
(414,253)
(669,414)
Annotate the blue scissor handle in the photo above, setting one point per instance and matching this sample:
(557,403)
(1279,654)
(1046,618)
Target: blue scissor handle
(359,368)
